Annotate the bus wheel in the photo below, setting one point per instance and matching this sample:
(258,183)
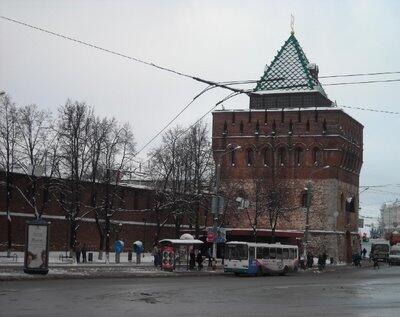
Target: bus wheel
(285,271)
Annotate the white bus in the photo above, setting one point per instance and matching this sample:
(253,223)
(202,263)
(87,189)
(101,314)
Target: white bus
(260,258)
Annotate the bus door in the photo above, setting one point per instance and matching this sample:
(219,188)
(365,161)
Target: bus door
(279,259)
(272,259)
(253,267)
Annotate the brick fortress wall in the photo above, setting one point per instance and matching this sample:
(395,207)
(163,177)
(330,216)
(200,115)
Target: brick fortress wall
(286,147)
(136,216)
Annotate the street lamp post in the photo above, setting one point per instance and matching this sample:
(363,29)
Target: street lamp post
(309,193)
(216,204)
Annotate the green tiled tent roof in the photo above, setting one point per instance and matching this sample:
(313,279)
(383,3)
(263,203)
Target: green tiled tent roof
(289,71)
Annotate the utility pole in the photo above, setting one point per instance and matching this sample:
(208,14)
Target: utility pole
(217,200)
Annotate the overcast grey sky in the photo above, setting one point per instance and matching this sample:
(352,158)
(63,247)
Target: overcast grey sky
(217,40)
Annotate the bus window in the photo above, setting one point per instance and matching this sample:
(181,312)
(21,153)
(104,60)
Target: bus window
(236,252)
(252,252)
(266,253)
(295,253)
(272,253)
(285,253)
(260,253)
(279,253)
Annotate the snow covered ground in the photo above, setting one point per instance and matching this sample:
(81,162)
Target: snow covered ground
(61,257)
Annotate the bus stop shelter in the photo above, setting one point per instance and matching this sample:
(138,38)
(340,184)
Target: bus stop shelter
(175,252)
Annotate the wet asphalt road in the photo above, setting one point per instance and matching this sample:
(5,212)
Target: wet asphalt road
(347,292)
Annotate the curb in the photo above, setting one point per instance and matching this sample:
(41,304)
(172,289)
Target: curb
(106,275)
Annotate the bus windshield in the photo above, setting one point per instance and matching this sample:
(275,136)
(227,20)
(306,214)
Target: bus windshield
(236,251)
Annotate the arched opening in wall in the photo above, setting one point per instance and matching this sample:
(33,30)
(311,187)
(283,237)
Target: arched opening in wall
(241,127)
(273,127)
(233,117)
(281,156)
(249,157)
(316,154)
(266,157)
(225,131)
(265,117)
(233,157)
(298,156)
(282,116)
(290,127)
(324,126)
(299,116)
(308,126)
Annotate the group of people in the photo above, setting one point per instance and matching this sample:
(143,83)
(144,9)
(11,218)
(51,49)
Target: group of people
(78,250)
(196,259)
(309,261)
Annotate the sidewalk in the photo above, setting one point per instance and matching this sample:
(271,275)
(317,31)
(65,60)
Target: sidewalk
(60,269)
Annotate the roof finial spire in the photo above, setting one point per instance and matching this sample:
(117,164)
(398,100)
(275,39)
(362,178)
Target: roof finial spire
(292,23)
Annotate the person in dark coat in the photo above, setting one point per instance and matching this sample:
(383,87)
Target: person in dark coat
(199,260)
(84,249)
(310,260)
(192,260)
(77,250)
(364,252)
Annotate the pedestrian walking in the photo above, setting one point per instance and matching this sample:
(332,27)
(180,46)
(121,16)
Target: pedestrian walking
(84,250)
(155,255)
(77,251)
(192,260)
(376,262)
(310,260)
(209,257)
(199,260)
(364,253)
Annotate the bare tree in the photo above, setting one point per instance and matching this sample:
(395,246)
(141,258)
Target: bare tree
(116,159)
(8,144)
(36,140)
(74,128)
(169,169)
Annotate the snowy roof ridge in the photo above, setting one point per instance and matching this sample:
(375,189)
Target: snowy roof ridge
(289,71)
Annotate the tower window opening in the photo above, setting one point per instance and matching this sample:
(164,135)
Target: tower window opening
(324,126)
(316,156)
(249,116)
(225,131)
(308,126)
(298,156)
(241,127)
(233,117)
(299,116)
(266,154)
(249,157)
(282,116)
(265,117)
(273,127)
(290,127)
(316,115)
(281,156)
(233,158)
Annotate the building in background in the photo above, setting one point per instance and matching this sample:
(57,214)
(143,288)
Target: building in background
(390,217)
(290,132)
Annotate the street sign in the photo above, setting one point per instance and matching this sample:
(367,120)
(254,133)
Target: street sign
(217,235)
(217,205)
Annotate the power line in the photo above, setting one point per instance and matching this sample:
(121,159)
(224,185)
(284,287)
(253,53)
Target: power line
(173,119)
(361,82)
(224,85)
(132,58)
(370,109)
(361,74)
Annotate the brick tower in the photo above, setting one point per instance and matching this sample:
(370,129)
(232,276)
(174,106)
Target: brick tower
(288,136)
